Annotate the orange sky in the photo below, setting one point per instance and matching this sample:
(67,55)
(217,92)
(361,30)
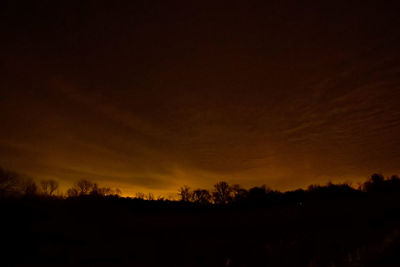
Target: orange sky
(151,96)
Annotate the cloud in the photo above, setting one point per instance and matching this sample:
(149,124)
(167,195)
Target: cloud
(244,95)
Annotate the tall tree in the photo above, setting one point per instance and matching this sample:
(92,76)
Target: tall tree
(222,193)
(185,194)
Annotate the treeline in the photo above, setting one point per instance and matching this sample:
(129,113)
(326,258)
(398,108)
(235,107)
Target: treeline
(224,194)
(13,184)
(322,225)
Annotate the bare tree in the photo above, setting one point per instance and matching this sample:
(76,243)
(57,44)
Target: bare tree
(49,186)
(45,187)
(28,187)
(140,195)
(184,193)
(84,186)
(12,183)
(222,193)
(105,191)
(201,196)
(101,191)
(9,182)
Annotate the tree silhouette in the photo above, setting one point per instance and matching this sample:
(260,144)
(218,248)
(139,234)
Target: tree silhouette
(375,184)
(185,194)
(140,195)
(239,193)
(378,183)
(258,194)
(9,182)
(201,196)
(28,187)
(222,193)
(103,191)
(49,186)
(150,197)
(84,186)
(394,183)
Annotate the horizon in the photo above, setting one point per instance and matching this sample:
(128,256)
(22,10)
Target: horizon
(62,189)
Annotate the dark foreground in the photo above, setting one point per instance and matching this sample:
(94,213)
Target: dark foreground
(355,230)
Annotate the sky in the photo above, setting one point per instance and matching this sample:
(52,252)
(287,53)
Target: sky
(150,95)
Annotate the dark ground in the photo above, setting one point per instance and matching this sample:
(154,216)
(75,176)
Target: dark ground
(360,229)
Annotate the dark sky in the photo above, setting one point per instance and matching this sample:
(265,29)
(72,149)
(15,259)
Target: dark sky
(151,95)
